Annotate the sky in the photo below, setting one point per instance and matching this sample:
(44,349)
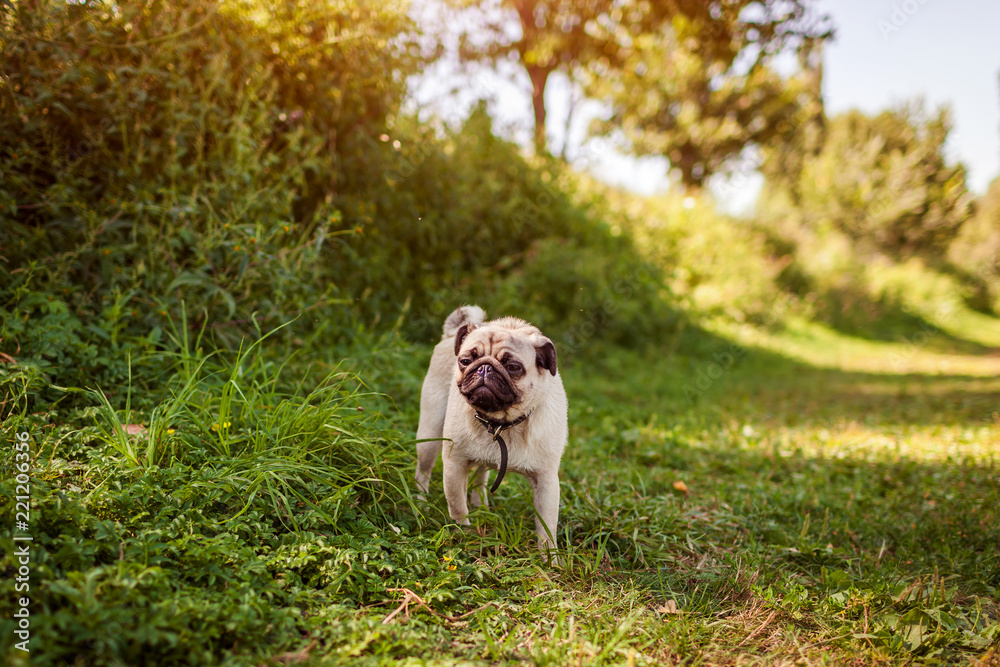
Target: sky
(884,53)
(947,52)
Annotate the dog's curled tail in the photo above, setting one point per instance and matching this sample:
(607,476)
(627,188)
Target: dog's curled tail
(463,315)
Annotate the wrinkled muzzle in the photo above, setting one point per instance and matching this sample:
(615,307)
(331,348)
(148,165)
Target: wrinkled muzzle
(487,387)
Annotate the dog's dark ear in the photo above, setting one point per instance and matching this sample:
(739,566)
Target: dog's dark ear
(545,356)
(460,335)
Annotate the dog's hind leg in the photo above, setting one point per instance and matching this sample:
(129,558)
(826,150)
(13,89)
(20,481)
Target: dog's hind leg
(477,494)
(427,452)
(432,411)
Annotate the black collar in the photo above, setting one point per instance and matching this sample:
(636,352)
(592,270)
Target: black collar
(496,428)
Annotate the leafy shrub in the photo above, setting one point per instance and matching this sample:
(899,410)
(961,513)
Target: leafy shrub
(864,294)
(230,165)
(884,182)
(158,154)
(447,218)
(976,252)
(713,265)
(867,228)
(577,293)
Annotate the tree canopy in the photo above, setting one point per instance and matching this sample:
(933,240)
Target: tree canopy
(688,80)
(884,182)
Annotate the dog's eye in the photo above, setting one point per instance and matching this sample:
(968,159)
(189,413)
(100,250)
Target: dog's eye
(513,367)
(465,361)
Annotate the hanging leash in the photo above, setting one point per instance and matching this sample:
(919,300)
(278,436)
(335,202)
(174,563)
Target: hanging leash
(496,429)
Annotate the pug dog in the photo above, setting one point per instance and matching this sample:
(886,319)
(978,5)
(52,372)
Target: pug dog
(493,393)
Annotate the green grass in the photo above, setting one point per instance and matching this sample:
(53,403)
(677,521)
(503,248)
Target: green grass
(822,500)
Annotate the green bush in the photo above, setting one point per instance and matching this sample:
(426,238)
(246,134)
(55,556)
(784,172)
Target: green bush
(868,227)
(708,265)
(446,219)
(163,154)
(884,182)
(722,266)
(976,252)
(578,293)
(228,166)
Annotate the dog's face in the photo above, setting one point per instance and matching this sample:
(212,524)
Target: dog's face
(503,366)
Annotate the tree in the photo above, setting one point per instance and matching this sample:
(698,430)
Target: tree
(976,251)
(784,155)
(599,40)
(884,182)
(554,35)
(700,91)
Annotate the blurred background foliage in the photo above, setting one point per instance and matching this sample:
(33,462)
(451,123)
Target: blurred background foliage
(228,166)
(162,153)
(227,237)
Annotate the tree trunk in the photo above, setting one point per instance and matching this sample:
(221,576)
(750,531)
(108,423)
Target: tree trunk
(538,72)
(692,174)
(539,77)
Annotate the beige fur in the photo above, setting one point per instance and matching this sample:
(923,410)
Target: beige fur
(535,446)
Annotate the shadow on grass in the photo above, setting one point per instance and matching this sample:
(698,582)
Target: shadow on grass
(712,375)
(895,472)
(846,504)
(854,508)
(855,313)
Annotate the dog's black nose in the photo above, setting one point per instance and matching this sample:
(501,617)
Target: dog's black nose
(484,370)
